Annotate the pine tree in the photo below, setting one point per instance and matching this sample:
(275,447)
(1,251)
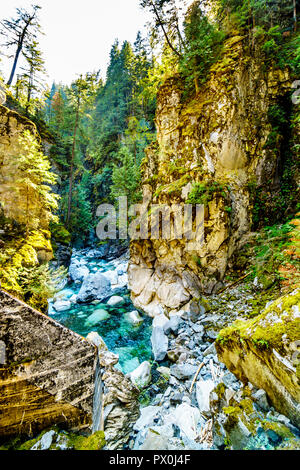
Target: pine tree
(80,95)
(33,75)
(125,177)
(19,33)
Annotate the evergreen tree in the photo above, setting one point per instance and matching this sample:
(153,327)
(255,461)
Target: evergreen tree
(80,95)
(32,77)
(36,201)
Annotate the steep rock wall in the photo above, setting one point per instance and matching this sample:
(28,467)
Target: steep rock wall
(47,372)
(19,248)
(219,139)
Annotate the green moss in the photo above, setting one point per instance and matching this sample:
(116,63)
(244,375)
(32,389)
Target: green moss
(29,444)
(203,193)
(60,234)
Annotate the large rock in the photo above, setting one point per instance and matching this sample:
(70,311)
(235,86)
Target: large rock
(94,338)
(112,276)
(98,316)
(148,414)
(231,147)
(134,317)
(115,300)
(120,403)
(159,343)
(263,351)
(94,287)
(141,377)
(160,320)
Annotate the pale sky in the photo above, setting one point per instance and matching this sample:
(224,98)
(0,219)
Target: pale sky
(79,33)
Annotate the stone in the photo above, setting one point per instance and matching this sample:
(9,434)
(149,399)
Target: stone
(164,371)
(115,300)
(183,371)
(160,320)
(268,367)
(229,379)
(199,329)
(130,365)
(154,441)
(40,374)
(141,377)
(260,397)
(159,343)
(77,271)
(98,316)
(203,389)
(176,399)
(45,442)
(134,318)
(148,414)
(121,405)
(175,354)
(186,418)
(62,305)
(94,287)
(173,325)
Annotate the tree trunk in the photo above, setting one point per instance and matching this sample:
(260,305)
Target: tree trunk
(13,70)
(72,167)
(295,15)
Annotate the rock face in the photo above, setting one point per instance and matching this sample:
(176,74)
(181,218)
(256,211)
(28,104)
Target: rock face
(264,351)
(217,141)
(47,372)
(120,402)
(31,247)
(159,343)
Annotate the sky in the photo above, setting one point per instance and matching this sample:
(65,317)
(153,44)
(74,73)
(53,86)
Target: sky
(79,33)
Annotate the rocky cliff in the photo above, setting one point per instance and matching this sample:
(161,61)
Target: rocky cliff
(215,149)
(47,372)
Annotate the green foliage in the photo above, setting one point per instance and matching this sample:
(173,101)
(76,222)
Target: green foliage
(32,182)
(203,193)
(38,283)
(269,253)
